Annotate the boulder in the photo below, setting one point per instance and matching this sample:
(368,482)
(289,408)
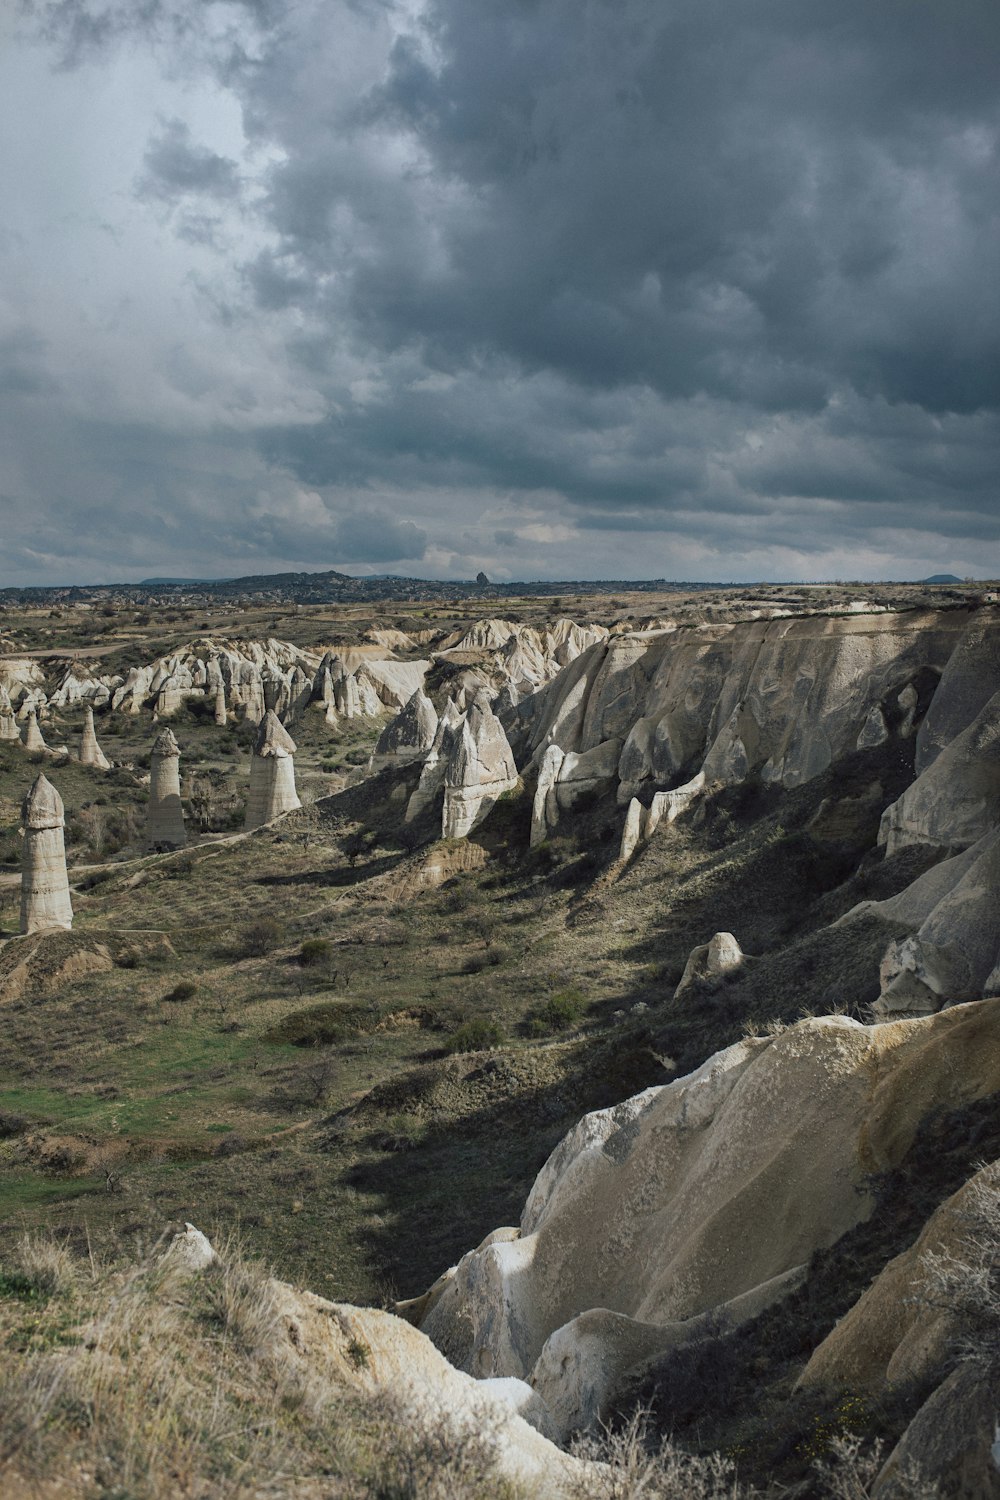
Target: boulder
(721,955)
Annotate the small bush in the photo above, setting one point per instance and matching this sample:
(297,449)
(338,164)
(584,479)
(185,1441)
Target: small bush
(12,1124)
(186,990)
(476,1035)
(559,1012)
(314,951)
(259,938)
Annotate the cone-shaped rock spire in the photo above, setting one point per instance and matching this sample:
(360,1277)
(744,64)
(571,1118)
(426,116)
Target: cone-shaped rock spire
(91,753)
(220,705)
(272,774)
(32,734)
(45,898)
(164,815)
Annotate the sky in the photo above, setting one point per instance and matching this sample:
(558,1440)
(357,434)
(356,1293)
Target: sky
(548,288)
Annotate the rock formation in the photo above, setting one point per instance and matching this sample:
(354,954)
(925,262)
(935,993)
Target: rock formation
(91,753)
(407,737)
(32,734)
(626,1239)
(219,712)
(272,775)
(480,769)
(723,955)
(45,899)
(435,762)
(956,798)
(164,813)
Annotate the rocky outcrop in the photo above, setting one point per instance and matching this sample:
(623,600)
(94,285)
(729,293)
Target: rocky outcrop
(164,813)
(219,713)
(435,762)
(45,898)
(956,798)
(409,736)
(628,1232)
(712,960)
(272,775)
(480,769)
(91,753)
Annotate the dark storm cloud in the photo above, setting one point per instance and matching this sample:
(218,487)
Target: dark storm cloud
(174,166)
(723,269)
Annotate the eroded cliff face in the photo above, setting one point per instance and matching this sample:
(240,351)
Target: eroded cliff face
(698,1199)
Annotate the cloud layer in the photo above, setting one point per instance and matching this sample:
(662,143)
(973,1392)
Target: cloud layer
(557,288)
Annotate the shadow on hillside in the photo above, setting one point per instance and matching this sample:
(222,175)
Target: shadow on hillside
(337,875)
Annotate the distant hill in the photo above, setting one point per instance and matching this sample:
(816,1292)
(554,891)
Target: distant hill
(941,578)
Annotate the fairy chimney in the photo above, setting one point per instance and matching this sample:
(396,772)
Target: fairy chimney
(272,774)
(220,705)
(164,815)
(32,734)
(45,898)
(91,753)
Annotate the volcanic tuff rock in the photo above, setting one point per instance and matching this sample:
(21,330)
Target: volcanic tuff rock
(45,899)
(91,753)
(480,769)
(629,1228)
(407,737)
(164,812)
(722,955)
(272,775)
(33,735)
(956,798)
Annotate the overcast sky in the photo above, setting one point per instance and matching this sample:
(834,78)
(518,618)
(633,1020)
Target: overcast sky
(695,289)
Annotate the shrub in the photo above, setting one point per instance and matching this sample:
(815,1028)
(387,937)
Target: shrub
(559,1012)
(314,951)
(186,990)
(12,1124)
(476,1035)
(45,1267)
(259,938)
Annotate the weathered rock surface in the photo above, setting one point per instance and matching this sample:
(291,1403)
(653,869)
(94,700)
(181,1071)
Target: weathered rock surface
(165,813)
(633,1218)
(45,898)
(435,762)
(272,775)
(407,737)
(711,960)
(33,739)
(480,769)
(956,799)
(91,753)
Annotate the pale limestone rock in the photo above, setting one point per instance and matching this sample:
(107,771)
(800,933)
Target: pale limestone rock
(219,714)
(368,699)
(480,769)
(164,812)
(592,771)
(956,799)
(631,1224)
(545,806)
(642,822)
(633,829)
(8,727)
(407,737)
(188,1253)
(722,955)
(33,735)
(347,700)
(907,702)
(169,697)
(272,775)
(45,898)
(91,753)
(433,770)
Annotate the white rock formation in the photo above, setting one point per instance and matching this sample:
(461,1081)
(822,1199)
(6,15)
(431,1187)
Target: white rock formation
(164,812)
(272,775)
(480,769)
(407,737)
(32,734)
(708,1193)
(8,727)
(545,806)
(642,822)
(711,960)
(45,898)
(91,753)
(435,763)
(219,714)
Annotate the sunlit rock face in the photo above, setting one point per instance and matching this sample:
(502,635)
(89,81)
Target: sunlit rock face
(272,775)
(407,737)
(91,753)
(480,769)
(45,898)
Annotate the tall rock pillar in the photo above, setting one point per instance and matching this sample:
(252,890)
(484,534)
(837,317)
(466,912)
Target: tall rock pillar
(45,898)
(272,774)
(164,815)
(91,753)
